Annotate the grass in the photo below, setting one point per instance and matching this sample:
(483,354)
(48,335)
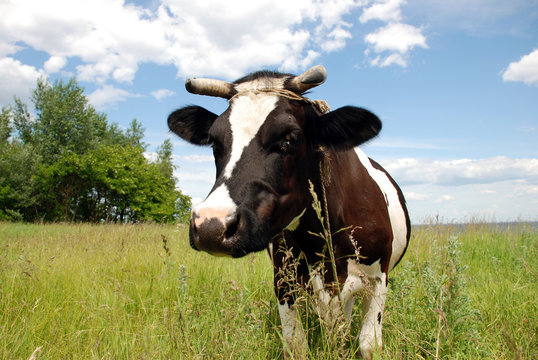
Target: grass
(79,291)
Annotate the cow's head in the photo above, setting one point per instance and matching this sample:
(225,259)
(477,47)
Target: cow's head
(265,147)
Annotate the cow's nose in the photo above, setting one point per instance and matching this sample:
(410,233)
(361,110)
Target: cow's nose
(211,233)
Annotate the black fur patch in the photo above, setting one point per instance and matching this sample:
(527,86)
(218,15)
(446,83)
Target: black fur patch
(343,128)
(262,74)
(192,123)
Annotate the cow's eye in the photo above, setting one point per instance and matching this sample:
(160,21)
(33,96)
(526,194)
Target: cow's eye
(287,142)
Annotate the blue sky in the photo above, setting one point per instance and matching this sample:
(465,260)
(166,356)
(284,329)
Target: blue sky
(455,83)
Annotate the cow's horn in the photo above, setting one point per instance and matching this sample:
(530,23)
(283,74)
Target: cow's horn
(311,78)
(209,87)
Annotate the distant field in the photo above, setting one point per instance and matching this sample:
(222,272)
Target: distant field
(139,292)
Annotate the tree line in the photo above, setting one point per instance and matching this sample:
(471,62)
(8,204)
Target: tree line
(65,162)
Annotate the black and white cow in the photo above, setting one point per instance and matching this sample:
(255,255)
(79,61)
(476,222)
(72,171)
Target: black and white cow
(268,145)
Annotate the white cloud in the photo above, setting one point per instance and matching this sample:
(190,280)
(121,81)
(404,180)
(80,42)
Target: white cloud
(108,96)
(162,93)
(409,195)
(525,70)
(463,171)
(389,60)
(16,79)
(218,38)
(396,37)
(384,10)
(444,198)
(392,42)
(337,38)
(151,156)
(503,201)
(210,38)
(54,64)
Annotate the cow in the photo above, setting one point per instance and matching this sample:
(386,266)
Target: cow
(275,150)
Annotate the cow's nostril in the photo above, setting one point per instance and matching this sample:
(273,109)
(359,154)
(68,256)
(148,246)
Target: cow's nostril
(231,225)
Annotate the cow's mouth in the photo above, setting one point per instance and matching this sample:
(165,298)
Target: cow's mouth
(240,235)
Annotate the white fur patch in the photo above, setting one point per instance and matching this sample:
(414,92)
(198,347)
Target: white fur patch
(358,276)
(396,212)
(218,205)
(288,318)
(248,114)
(292,332)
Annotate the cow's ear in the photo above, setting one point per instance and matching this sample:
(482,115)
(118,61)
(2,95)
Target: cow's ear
(344,128)
(192,123)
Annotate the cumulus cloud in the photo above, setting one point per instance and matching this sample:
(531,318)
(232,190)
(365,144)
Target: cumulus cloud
(393,42)
(385,10)
(463,171)
(109,96)
(398,40)
(205,37)
(525,70)
(17,79)
(54,64)
(162,93)
(107,41)
(396,37)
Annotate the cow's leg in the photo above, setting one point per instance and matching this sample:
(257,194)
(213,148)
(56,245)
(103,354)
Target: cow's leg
(355,282)
(348,308)
(373,304)
(293,337)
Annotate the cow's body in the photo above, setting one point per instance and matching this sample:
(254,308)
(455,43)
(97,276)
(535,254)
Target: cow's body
(269,146)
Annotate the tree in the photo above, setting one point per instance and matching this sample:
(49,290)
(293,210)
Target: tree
(164,159)
(67,163)
(65,120)
(135,134)
(17,164)
(5,127)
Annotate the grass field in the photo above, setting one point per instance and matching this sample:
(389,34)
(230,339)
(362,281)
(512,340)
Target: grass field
(139,292)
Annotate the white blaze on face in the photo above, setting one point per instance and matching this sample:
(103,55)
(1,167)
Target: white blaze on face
(248,113)
(247,117)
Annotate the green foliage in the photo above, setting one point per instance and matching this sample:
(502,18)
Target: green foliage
(17,166)
(5,127)
(135,134)
(67,163)
(65,120)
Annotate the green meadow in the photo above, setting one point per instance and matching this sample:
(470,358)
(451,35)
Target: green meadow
(79,291)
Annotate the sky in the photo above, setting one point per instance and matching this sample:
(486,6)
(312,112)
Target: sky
(455,83)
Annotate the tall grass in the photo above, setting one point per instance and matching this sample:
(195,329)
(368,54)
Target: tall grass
(139,292)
